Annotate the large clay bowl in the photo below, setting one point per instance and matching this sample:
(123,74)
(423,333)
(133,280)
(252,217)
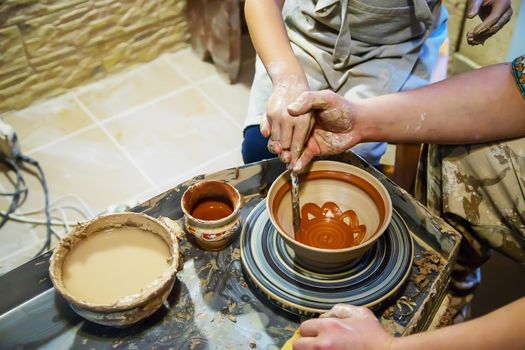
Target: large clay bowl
(133,308)
(347,186)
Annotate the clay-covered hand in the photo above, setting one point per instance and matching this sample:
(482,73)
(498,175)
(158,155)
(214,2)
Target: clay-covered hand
(494,15)
(286,134)
(343,327)
(332,132)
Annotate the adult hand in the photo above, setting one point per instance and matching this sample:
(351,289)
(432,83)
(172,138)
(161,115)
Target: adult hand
(343,327)
(333,130)
(494,15)
(286,134)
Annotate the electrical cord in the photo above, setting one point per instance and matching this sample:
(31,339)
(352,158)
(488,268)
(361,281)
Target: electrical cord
(16,200)
(11,156)
(43,182)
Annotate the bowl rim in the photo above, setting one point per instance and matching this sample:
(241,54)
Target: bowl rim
(360,173)
(151,291)
(238,203)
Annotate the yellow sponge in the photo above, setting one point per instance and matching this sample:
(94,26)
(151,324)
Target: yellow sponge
(289,344)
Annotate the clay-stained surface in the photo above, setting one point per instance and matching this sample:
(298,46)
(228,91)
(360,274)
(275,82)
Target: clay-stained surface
(212,305)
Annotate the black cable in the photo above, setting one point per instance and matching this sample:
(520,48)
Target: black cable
(43,182)
(19,191)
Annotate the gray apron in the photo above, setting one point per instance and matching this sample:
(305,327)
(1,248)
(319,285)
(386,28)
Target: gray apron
(376,42)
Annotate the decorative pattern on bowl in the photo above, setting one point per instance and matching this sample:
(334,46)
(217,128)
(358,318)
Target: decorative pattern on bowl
(212,234)
(350,188)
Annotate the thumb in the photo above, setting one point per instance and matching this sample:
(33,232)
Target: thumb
(304,159)
(473,8)
(265,126)
(309,100)
(301,105)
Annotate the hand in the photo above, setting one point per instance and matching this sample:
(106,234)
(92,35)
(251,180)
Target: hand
(287,134)
(494,15)
(343,327)
(332,132)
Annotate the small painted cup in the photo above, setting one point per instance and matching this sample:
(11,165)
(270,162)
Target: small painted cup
(212,213)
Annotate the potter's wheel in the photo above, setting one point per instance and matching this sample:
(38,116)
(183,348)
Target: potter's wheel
(371,281)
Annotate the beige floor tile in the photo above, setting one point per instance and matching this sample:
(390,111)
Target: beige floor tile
(44,122)
(19,258)
(15,236)
(191,66)
(231,98)
(90,166)
(225,161)
(141,84)
(175,135)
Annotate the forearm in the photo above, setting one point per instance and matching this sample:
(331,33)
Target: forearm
(269,37)
(501,329)
(478,106)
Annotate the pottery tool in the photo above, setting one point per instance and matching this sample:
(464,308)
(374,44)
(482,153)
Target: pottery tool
(296,209)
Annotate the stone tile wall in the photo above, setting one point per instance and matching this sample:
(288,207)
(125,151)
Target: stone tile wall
(49,46)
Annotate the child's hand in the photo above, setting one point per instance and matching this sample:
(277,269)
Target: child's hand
(333,130)
(287,134)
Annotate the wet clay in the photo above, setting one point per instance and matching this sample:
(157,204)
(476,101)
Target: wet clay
(329,228)
(212,209)
(114,263)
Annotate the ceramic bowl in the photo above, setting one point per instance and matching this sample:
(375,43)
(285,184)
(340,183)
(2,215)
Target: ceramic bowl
(212,232)
(350,188)
(133,308)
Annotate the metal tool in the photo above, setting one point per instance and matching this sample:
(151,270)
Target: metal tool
(296,211)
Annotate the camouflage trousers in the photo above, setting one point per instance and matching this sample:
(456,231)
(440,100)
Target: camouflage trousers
(480,191)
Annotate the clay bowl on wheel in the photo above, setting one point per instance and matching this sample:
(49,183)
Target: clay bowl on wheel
(344,210)
(117,269)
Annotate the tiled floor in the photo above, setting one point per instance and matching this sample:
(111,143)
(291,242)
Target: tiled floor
(124,139)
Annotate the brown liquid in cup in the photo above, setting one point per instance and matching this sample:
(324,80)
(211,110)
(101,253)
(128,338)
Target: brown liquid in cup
(212,209)
(329,228)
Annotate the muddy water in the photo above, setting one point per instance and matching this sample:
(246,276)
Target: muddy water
(114,263)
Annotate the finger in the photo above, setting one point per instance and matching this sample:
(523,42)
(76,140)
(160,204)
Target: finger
(286,133)
(310,100)
(473,8)
(504,19)
(475,37)
(338,311)
(285,156)
(298,141)
(275,133)
(310,328)
(305,344)
(274,147)
(496,12)
(305,158)
(348,311)
(265,126)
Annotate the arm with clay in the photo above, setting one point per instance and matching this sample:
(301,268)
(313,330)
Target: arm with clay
(269,37)
(479,106)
